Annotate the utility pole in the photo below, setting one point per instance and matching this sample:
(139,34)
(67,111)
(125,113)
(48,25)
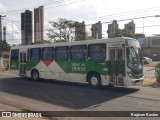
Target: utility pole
(1,34)
(4,33)
(12,32)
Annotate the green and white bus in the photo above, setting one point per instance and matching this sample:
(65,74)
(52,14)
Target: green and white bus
(113,61)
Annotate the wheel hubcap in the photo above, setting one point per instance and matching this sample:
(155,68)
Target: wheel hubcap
(94,81)
(35,75)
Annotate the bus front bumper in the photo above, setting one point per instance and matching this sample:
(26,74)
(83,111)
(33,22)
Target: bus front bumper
(137,81)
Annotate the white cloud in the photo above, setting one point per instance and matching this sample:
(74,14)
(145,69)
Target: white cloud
(13,30)
(84,10)
(2,8)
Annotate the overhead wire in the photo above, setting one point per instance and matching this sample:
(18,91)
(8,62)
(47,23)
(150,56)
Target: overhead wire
(126,12)
(102,17)
(32,7)
(60,2)
(99,17)
(111,16)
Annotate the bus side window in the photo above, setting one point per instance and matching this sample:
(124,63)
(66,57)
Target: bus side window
(119,55)
(97,52)
(14,54)
(62,53)
(48,53)
(78,52)
(35,53)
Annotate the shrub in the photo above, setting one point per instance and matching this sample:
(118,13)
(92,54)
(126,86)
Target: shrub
(157,72)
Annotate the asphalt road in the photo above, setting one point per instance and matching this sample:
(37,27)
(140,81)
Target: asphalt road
(57,96)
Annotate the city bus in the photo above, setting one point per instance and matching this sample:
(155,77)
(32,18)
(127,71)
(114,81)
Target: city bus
(112,61)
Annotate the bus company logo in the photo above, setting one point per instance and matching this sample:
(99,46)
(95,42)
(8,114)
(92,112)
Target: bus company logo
(6,114)
(79,67)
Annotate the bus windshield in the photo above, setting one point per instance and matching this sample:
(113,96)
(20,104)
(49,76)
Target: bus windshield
(134,60)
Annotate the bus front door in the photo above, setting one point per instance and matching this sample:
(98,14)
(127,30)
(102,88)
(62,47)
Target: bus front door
(22,61)
(116,66)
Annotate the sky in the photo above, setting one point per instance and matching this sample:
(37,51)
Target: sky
(90,11)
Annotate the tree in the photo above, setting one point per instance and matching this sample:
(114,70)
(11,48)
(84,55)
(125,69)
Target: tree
(89,37)
(139,35)
(80,33)
(5,46)
(123,32)
(63,30)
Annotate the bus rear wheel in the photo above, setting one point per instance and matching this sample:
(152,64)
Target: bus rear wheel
(95,81)
(35,75)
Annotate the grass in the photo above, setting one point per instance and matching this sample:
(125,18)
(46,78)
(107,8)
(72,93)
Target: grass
(2,70)
(149,81)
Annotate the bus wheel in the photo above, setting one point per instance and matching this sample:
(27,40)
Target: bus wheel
(35,75)
(95,80)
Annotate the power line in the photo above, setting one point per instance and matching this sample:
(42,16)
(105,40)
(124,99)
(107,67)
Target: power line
(16,11)
(111,15)
(32,7)
(8,32)
(11,20)
(150,26)
(126,19)
(66,4)
(61,1)
(128,12)
(106,16)
(102,31)
(158,25)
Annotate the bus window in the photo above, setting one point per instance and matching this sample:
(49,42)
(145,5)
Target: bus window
(62,53)
(119,55)
(78,52)
(35,53)
(14,54)
(97,52)
(48,53)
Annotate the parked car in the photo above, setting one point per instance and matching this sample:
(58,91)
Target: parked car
(146,60)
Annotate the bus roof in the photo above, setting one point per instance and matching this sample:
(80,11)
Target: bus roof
(109,40)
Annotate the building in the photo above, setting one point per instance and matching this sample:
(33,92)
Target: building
(153,41)
(97,30)
(112,29)
(80,33)
(152,49)
(130,27)
(38,23)
(26,27)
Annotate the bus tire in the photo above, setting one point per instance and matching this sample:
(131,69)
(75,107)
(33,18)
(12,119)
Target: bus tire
(35,75)
(94,80)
